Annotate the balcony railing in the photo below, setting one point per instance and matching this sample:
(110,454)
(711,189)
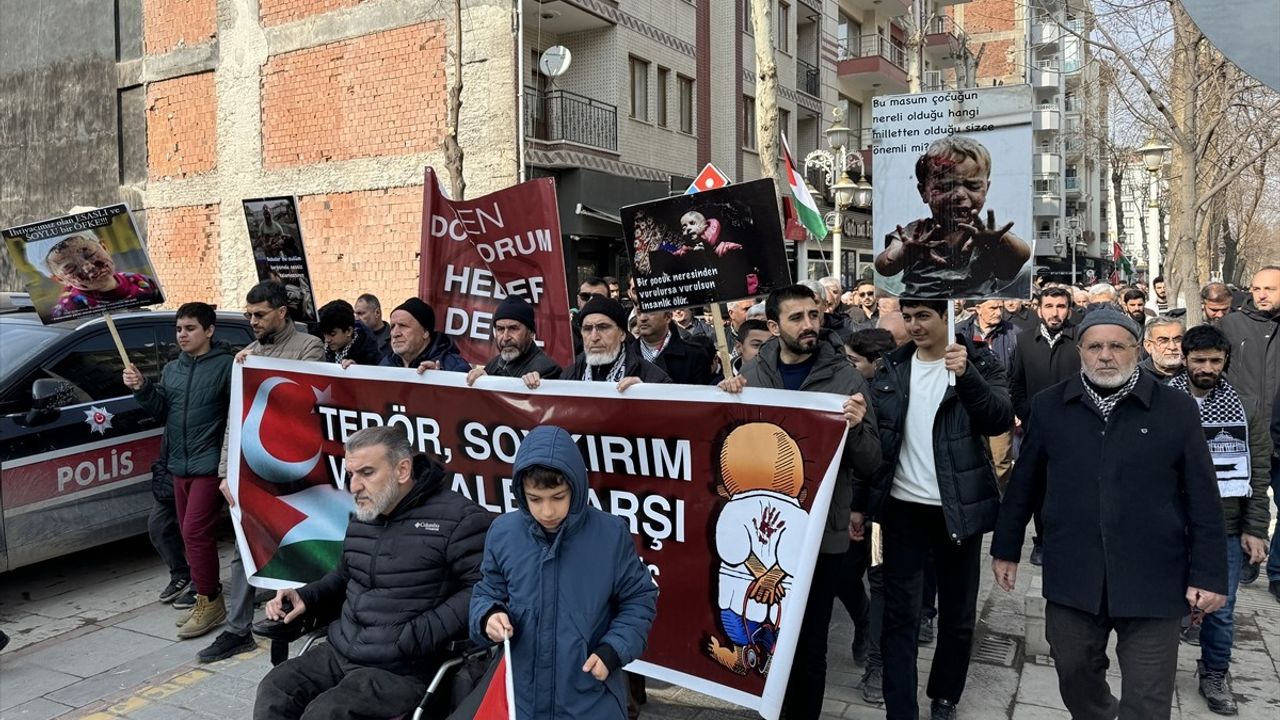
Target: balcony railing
(943,24)
(934,81)
(807,78)
(563,116)
(872,45)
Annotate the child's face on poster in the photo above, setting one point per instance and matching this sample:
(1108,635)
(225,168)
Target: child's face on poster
(692,224)
(83,264)
(955,191)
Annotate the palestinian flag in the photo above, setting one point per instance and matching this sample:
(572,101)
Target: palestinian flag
(806,208)
(495,696)
(1123,266)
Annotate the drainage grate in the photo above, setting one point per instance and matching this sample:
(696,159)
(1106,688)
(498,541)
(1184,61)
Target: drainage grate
(996,650)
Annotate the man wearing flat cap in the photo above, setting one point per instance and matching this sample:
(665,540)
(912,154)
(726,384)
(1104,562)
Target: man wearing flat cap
(1133,526)
(515,335)
(605,356)
(415,343)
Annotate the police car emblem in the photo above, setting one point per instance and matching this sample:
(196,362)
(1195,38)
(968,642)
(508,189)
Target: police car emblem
(99,419)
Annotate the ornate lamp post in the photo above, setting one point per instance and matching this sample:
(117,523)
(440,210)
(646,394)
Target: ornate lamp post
(835,165)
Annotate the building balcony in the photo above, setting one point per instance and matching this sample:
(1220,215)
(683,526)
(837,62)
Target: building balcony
(1072,184)
(943,41)
(1046,204)
(560,17)
(1046,119)
(1044,31)
(871,62)
(935,81)
(560,116)
(890,8)
(1045,75)
(1045,163)
(807,78)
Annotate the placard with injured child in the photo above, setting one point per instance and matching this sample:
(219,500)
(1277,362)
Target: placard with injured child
(714,246)
(86,263)
(953,194)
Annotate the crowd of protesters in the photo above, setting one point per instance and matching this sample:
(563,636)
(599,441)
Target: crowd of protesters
(1137,448)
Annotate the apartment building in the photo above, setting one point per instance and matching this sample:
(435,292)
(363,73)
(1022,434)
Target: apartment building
(1039,42)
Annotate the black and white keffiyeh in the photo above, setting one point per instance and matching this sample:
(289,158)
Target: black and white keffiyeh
(1106,404)
(1226,429)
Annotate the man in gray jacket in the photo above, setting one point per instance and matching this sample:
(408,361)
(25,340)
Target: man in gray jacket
(802,356)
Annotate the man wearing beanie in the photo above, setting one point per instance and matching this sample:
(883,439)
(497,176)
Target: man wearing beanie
(415,342)
(514,334)
(605,356)
(1133,526)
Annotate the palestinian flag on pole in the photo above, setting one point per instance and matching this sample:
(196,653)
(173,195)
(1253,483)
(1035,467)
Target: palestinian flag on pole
(806,208)
(1123,266)
(494,698)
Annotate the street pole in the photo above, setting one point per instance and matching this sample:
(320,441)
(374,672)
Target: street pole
(837,234)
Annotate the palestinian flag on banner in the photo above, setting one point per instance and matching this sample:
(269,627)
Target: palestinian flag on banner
(1123,266)
(806,208)
(494,698)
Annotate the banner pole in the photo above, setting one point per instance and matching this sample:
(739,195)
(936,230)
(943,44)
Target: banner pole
(722,342)
(951,336)
(115,335)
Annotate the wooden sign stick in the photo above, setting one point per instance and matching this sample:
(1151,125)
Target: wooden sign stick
(722,342)
(115,335)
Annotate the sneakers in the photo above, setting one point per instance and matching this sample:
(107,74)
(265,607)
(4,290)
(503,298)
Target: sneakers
(186,600)
(205,616)
(873,684)
(1191,635)
(1215,686)
(1037,554)
(174,589)
(1250,573)
(226,645)
(926,633)
(861,645)
(942,710)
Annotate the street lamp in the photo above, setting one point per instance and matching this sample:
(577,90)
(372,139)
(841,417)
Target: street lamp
(845,193)
(1070,233)
(1153,154)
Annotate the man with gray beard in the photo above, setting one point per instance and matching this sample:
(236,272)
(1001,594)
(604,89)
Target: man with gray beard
(1162,339)
(515,335)
(605,356)
(1133,525)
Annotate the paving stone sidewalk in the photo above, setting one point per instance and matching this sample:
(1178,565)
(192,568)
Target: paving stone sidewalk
(89,641)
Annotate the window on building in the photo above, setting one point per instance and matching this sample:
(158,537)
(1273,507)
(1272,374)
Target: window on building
(784,27)
(684,91)
(748,122)
(784,122)
(848,36)
(746,18)
(639,89)
(664,79)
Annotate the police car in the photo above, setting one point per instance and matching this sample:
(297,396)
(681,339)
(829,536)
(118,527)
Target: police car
(75,448)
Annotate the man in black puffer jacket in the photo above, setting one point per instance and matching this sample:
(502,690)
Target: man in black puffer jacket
(934,496)
(402,590)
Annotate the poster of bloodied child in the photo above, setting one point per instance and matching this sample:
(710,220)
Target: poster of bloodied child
(276,238)
(714,246)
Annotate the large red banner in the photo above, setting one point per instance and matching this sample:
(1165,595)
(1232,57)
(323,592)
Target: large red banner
(719,490)
(476,252)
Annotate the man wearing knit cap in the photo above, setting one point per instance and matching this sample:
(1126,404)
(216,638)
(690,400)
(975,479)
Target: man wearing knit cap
(605,356)
(415,342)
(1133,526)
(515,335)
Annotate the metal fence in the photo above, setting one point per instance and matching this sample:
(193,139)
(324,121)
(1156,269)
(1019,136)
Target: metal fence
(563,116)
(807,78)
(870,45)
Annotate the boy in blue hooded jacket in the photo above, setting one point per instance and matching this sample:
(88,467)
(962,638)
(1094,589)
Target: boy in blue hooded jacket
(564,581)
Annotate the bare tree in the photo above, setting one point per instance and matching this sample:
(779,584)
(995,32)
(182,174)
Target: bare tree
(453,154)
(766,88)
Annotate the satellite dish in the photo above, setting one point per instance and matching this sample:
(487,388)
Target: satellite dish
(555,61)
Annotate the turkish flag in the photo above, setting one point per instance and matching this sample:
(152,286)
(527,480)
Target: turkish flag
(494,697)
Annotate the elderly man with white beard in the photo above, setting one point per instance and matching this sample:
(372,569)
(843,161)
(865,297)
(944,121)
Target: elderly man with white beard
(1133,523)
(515,336)
(605,355)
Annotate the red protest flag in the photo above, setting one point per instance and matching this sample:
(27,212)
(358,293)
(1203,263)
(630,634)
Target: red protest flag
(494,696)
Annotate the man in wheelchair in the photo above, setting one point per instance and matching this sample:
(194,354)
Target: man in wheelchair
(400,593)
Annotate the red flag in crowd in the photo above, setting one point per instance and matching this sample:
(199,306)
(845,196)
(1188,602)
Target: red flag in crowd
(494,696)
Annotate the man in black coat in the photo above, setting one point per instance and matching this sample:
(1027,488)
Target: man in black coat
(401,590)
(658,340)
(934,496)
(1133,523)
(515,335)
(1044,357)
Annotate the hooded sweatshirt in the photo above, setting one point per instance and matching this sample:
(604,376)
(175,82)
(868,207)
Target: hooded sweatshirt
(569,594)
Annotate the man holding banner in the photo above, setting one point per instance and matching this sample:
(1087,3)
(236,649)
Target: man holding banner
(515,335)
(415,342)
(802,357)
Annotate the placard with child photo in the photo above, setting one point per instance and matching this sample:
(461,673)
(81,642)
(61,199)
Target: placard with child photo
(967,156)
(85,263)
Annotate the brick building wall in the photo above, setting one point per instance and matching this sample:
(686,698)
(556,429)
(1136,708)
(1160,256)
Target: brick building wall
(184,250)
(181,127)
(275,12)
(169,24)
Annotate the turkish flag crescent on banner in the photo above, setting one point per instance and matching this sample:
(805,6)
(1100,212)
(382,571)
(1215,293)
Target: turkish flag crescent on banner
(476,252)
